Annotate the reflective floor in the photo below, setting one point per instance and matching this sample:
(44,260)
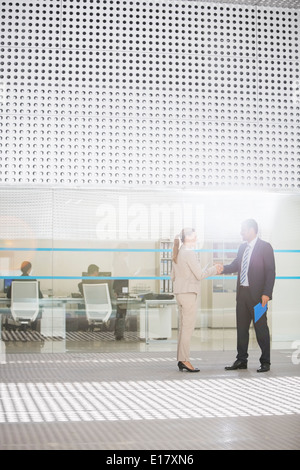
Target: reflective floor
(135,400)
(204,339)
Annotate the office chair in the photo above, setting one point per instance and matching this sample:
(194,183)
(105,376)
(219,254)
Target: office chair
(24,302)
(97,304)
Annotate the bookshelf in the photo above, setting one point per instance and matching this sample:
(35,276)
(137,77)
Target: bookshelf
(165,265)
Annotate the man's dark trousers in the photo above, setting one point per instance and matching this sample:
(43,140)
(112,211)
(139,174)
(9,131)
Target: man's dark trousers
(244,316)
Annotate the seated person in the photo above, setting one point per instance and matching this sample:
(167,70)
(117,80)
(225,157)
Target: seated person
(119,286)
(93,271)
(26,267)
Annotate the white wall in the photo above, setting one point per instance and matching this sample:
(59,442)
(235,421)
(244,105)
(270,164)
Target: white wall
(285,303)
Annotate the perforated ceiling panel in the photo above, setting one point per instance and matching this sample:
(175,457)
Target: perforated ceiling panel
(149,93)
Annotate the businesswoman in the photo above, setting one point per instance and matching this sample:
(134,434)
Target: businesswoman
(186,276)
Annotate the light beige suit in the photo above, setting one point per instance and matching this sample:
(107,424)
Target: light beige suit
(186,276)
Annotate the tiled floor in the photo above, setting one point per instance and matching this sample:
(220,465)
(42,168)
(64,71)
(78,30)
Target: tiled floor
(139,400)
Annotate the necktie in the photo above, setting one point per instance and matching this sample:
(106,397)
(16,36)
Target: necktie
(245,265)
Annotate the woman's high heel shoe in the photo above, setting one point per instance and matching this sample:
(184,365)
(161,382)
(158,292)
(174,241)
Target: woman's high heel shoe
(183,367)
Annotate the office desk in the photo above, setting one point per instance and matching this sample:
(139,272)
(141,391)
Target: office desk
(53,320)
(44,302)
(154,316)
(57,301)
(156,319)
(55,310)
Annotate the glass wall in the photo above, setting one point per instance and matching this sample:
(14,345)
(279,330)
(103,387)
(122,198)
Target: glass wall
(75,240)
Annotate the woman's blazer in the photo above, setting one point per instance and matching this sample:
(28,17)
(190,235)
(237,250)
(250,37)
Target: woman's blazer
(187,272)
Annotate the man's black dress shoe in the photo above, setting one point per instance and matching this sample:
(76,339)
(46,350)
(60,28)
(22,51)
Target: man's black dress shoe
(237,365)
(264,368)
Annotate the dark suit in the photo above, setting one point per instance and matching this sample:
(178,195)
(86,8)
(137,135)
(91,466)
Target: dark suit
(27,278)
(118,286)
(261,277)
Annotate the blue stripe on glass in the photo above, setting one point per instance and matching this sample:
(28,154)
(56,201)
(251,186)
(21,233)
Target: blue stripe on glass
(154,278)
(137,250)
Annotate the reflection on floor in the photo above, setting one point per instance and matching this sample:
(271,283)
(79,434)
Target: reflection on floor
(31,335)
(204,339)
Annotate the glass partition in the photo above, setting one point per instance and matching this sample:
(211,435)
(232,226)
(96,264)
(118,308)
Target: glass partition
(124,240)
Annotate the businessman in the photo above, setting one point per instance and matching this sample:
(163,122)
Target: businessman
(255,265)
(93,271)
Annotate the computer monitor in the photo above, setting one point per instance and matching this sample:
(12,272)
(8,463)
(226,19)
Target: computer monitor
(101,274)
(7,284)
(121,286)
(105,274)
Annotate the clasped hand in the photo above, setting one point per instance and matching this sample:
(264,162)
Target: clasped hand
(220,268)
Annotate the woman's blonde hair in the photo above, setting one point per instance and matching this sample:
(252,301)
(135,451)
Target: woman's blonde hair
(180,238)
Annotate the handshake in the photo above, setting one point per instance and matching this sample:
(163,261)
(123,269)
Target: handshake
(220,268)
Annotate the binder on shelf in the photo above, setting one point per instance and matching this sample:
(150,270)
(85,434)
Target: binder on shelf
(165,265)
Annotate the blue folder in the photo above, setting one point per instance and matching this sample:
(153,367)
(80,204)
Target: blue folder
(259,310)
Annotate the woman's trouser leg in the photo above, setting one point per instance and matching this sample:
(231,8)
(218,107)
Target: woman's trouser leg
(187,305)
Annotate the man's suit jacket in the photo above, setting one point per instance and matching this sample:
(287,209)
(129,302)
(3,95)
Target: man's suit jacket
(261,271)
(187,272)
